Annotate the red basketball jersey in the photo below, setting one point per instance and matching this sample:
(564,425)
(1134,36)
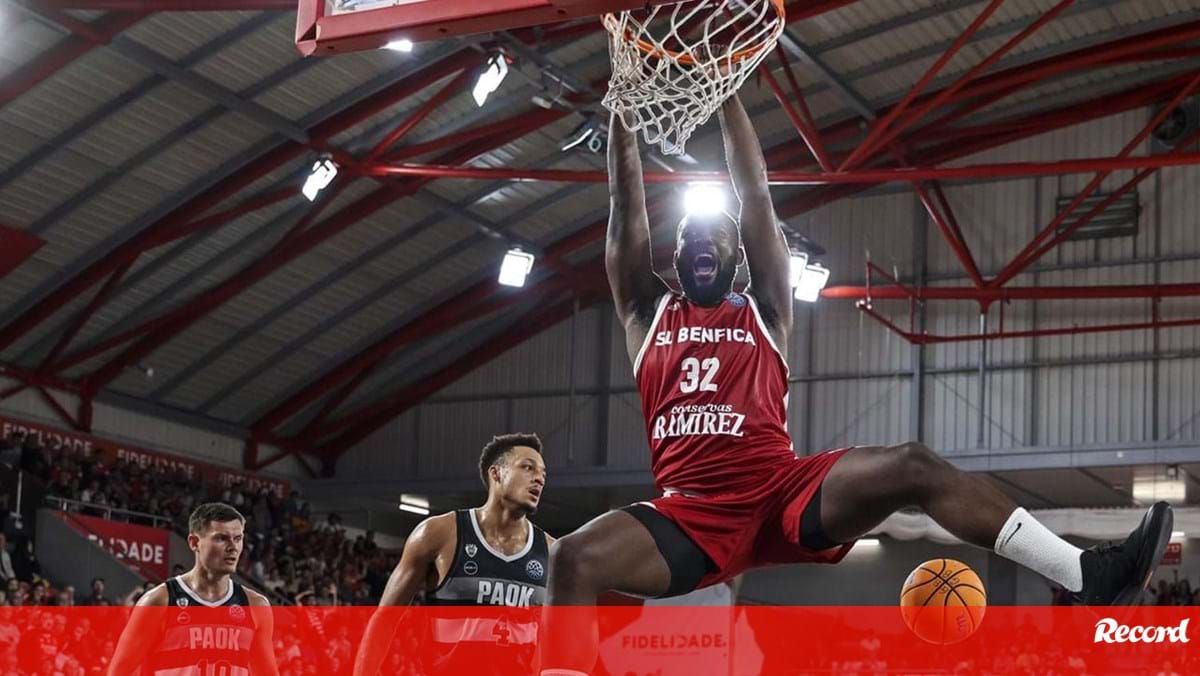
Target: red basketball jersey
(714,392)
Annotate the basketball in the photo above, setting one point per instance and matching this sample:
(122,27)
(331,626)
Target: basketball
(943,601)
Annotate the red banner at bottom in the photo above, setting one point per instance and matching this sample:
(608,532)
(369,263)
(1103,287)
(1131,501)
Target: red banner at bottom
(618,640)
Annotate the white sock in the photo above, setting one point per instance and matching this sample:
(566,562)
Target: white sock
(1029,543)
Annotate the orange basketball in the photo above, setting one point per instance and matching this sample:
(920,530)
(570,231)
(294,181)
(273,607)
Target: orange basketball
(943,601)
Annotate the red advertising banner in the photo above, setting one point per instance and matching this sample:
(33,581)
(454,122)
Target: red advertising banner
(142,547)
(662,641)
(1173,556)
(111,451)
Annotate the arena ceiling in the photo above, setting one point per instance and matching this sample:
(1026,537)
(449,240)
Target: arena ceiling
(153,155)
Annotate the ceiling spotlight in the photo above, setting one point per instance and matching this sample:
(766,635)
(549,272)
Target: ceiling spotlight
(402,45)
(704,199)
(490,79)
(323,173)
(814,278)
(799,261)
(516,267)
(414,504)
(581,134)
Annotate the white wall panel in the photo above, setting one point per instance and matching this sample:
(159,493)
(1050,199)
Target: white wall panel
(627,445)
(564,434)
(452,434)
(847,342)
(860,413)
(542,363)
(1179,400)
(1082,405)
(389,453)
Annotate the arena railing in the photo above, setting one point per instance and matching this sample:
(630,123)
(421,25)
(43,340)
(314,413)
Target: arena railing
(107,512)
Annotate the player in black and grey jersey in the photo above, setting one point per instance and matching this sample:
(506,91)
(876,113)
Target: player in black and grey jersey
(201,623)
(489,556)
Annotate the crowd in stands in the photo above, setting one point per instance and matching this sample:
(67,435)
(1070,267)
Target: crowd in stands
(1175,593)
(288,554)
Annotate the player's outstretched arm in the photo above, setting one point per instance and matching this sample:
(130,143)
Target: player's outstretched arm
(766,248)
(420,552)
(627,257)
(262,652)
(141,634)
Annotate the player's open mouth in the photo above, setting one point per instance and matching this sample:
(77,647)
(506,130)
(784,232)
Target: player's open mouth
(704,267)
(536,493)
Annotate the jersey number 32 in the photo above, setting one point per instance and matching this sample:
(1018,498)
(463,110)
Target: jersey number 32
(698,375)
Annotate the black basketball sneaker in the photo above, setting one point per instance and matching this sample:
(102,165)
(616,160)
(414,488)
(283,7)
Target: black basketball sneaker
(1116,574)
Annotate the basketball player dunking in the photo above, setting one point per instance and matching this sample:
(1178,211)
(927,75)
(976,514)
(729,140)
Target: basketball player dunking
(711,367)
(202,622)
(489,556)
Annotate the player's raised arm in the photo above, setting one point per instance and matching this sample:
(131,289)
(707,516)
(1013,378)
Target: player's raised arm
(766,248)
(420,552)
(635,287)
(141,634)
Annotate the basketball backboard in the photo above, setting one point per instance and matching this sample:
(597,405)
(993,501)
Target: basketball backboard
(335,26)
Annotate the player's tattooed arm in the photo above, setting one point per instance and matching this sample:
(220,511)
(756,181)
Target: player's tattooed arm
(420,555)
(766,247)
(635,286)
(141,634)
(262,652)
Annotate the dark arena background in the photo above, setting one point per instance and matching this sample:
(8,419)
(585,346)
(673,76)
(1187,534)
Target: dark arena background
(307,258)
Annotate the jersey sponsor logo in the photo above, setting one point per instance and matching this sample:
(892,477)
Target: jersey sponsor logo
(470,567)
(703,335)
(471,551)
(182,602)
(511,594)
(735,299)
(183,618)
(699,421)
(215,638)
(237,613)
(534,570)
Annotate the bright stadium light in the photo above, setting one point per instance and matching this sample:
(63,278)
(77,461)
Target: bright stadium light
(323,173)
(402,45)
(808,287)
(414,504)
(579,134)
(1178,535)
(490,79)
(704,199)
(796,273)
(867,542)
(516,267)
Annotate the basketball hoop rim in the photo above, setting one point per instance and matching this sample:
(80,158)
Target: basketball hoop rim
(611,24)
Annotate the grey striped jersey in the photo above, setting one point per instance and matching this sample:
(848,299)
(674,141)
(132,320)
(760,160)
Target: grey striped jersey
(204,638)
(499,637)
(482,576)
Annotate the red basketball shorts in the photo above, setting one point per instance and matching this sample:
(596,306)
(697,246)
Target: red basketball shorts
(756,524)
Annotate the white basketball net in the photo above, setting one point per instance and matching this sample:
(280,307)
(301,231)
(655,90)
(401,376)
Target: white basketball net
(674,65)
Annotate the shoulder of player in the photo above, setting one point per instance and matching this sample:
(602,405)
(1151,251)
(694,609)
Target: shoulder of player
(155,597)
(433,533)
(776,319)
(256,598)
